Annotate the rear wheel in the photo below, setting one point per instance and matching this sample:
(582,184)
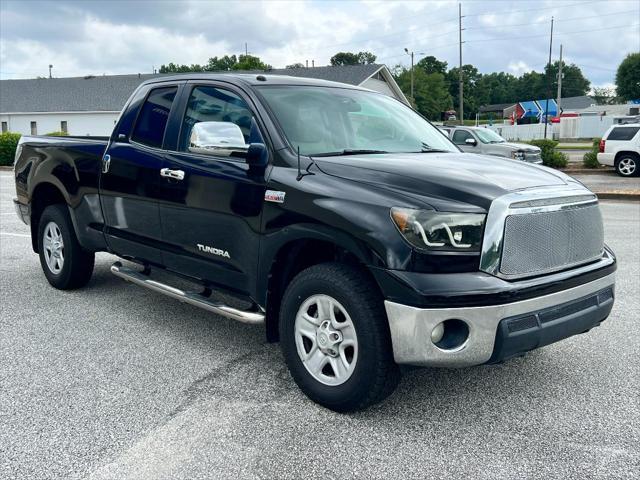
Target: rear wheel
(627,165)
(64,262)
(335,338)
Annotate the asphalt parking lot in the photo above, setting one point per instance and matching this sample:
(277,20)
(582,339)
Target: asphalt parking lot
(113,381)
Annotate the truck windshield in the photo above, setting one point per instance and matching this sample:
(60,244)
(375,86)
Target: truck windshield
(326,121)
(489,136)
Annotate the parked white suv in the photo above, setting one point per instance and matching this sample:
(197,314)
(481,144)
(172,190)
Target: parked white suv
(620,148)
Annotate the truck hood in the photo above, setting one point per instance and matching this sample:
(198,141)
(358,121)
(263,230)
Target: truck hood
(519,146)
(443,180)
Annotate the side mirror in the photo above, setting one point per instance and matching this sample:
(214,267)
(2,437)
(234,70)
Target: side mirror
(217,138)
(257,155)
(471,141)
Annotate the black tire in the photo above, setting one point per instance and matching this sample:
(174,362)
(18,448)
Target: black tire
(628,165)
(375,374)
(77,265)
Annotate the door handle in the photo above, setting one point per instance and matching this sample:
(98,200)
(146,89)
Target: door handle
(175,174)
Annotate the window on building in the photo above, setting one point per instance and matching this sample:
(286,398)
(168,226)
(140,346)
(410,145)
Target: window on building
(34,128)
(5,127)
(152,120)
(63,126)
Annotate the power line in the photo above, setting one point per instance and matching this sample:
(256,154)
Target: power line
(511,38)
(537,9)
(547,21)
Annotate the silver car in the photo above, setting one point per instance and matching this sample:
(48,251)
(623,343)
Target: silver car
(487,142)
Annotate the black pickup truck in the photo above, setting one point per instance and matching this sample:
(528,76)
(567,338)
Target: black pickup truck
(339,218)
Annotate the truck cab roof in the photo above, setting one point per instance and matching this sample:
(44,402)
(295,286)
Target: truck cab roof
(253,79)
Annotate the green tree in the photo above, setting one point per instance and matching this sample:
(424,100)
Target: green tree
(430,92)
(471,76)
(530,86)
(350,58)
(366,57)
(603,95)
(250,62)
(628,77)
(574,83)
(175,68)
(431,64)
(221,64)
(295,65)
(497,87)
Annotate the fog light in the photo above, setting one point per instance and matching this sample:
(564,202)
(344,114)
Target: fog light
(451,334)
(437,333)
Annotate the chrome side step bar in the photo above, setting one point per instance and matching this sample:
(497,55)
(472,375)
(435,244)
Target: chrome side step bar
(192,298)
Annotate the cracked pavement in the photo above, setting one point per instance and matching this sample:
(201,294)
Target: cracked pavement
(113,381)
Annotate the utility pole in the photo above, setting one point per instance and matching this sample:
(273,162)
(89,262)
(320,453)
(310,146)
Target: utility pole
(461,93)
(50,67)
(546,107)
(559,101)
(246,49)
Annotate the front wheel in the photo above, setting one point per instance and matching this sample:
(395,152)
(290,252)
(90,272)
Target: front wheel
(64,262)
(627,166)
(335,338)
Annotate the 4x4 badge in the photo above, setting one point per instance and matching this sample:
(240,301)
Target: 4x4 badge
(274,196)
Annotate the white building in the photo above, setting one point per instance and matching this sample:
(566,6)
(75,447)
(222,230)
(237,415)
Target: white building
(91,105)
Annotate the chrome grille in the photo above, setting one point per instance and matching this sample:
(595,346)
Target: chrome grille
(532,156)
(548,241)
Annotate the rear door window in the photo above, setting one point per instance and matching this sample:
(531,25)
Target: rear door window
(152,120)
(623,133)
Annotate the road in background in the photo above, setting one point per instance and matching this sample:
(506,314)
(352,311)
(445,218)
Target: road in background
(608,182)
(113,381)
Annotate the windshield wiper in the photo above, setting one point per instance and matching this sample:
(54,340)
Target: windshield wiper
(349,151)
(433,150)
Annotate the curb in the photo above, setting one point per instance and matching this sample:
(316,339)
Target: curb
(6,169)
(629,196)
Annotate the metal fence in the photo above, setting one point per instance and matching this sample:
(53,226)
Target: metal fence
(569,127)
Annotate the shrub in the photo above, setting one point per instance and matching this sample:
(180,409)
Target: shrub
(56,134)
(556,160)
(550,157)
(590,159)
(8,145)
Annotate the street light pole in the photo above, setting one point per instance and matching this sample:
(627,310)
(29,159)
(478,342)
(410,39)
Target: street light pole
(461,79)
(559,101)
(546,107)
(411,53)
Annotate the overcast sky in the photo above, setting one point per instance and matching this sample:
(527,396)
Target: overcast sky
(109,37)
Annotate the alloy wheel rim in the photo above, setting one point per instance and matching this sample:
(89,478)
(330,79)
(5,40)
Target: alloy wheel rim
(627,166)
(53,245)
(326,340)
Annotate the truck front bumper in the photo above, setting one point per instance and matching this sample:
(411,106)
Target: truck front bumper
(488,334)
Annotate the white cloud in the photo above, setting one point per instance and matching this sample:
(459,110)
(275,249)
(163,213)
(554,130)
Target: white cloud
(519,67)
(95,37)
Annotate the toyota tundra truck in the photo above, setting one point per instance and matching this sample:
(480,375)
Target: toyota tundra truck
(338,218)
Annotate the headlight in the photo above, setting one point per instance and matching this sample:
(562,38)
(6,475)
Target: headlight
(440,231)
(517,155)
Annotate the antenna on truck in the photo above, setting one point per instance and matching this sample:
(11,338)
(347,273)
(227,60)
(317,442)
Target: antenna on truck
(307,172)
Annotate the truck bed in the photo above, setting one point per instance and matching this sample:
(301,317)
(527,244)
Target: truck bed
(74,162)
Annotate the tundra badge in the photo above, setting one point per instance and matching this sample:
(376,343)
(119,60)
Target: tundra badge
(213,250)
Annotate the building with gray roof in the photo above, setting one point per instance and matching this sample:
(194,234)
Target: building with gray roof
(90,105)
